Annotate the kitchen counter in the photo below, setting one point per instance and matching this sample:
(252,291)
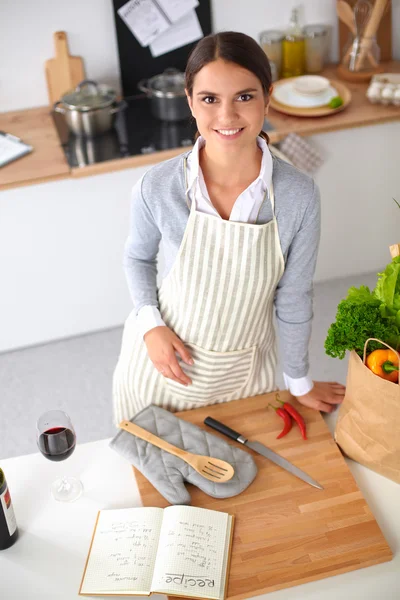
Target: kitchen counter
(47,162)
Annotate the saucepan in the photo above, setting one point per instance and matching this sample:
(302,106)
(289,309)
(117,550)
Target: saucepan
(167,94)
(90,109)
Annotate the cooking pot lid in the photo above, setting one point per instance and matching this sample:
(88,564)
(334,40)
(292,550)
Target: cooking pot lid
(170,83)
(89,95)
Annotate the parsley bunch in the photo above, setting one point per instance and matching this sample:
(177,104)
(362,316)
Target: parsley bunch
(365,314)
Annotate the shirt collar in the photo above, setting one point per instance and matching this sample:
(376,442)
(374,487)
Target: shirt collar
(265,174)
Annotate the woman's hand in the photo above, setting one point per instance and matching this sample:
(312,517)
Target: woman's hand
(162,343)
(324,396)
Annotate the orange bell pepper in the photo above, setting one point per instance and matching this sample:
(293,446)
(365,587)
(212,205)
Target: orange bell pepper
(385,364)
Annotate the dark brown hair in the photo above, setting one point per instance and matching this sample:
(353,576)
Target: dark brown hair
(234,47)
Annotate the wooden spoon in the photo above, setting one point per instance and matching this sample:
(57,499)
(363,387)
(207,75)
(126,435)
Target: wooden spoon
(210,468)
(346,14)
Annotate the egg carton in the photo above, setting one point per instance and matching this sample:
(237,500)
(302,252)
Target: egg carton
(385,89)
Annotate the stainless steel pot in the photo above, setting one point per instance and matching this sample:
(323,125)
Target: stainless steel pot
(90,109)
(167,95)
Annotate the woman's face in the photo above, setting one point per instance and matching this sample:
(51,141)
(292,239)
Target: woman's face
(228,104)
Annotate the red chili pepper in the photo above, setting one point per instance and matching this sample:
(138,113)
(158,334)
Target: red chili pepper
(296,416)
(287,419)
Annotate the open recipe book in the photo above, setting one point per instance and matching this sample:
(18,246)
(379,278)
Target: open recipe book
(178,551)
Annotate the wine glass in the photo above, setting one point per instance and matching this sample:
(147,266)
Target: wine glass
(56,440)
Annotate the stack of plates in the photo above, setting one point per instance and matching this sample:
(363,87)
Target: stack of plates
(308,96)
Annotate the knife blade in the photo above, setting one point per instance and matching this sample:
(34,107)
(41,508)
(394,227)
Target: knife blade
(263,450)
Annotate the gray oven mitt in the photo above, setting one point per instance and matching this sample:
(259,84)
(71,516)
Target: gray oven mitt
(168,473)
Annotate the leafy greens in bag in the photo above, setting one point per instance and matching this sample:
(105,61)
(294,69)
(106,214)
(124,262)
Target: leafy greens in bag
(365,314)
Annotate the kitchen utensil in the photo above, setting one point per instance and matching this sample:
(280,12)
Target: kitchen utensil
(90,108)
(346,15)
(322,111)
(211,468)
(362,12)
(286,533)
(263,450)
(63,72)
(167,94)
(371,27)
(383,34)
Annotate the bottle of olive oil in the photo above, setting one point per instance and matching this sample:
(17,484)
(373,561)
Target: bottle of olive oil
(293,48)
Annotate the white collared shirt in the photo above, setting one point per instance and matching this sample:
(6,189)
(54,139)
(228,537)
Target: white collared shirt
(247,204)
(245,210)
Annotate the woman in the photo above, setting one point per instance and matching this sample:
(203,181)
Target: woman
(240,230)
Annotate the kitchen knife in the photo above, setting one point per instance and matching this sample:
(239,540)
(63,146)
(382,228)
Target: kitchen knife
(263,450)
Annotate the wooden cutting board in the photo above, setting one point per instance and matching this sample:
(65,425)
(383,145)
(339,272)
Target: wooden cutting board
(64,72)
(384,35)
(287,532)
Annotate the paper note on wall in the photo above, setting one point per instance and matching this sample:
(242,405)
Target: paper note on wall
(147,19)
(183,32)
(176,9)
(144,19)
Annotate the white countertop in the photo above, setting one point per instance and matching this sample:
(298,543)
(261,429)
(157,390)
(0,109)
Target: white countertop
(47,561)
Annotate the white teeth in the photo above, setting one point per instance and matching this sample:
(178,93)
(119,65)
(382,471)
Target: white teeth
(228,131)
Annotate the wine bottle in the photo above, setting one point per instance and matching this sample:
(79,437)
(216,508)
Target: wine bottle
(8,524)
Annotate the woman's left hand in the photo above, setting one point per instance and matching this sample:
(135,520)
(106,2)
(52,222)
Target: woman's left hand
(324,396)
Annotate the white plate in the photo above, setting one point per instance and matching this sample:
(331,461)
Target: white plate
(285,94)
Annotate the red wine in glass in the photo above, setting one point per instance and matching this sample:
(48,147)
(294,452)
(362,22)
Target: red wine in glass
(56,440)
(57,443)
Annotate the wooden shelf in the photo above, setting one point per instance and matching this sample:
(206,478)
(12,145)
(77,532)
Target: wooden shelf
(48,163)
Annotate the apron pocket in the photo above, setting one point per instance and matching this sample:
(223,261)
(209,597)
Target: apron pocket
(215,375)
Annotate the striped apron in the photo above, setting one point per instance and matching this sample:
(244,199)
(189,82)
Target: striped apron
(218,298)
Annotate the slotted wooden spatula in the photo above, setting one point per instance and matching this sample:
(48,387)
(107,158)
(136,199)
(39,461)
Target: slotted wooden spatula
(213,469)
(64,72)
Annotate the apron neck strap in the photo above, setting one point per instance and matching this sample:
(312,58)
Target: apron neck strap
(190,206)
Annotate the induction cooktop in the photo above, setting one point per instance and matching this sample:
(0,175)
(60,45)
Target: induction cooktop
(136,132)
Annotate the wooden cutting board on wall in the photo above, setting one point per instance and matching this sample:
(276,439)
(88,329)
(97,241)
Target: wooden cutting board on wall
(384,35)
(287,532)
(64,72)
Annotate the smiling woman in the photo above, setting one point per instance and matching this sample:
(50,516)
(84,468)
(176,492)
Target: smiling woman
(240,231)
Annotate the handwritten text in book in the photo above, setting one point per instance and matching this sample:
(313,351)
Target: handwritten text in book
(188,580)
(194,543)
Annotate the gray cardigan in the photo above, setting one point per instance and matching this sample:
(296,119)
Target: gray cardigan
(159,212)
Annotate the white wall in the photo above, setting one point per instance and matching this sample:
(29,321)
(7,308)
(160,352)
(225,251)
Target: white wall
(26,37)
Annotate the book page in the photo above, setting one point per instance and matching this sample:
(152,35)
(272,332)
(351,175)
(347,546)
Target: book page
(192,552)
(123,552)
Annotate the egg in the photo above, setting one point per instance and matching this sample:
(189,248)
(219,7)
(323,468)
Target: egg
(387,95)
(396,97)
(373,93)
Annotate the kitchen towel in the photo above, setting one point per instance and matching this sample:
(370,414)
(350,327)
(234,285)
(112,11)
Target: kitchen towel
(301,153)
(167,472)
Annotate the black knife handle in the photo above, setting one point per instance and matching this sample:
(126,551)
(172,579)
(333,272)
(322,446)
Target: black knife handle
(218,426)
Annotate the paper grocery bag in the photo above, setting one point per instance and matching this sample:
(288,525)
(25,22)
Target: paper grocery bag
(368,425)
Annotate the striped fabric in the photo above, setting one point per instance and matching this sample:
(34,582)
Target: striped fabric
(218,298)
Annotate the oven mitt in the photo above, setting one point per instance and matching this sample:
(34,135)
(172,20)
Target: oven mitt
(168,473)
